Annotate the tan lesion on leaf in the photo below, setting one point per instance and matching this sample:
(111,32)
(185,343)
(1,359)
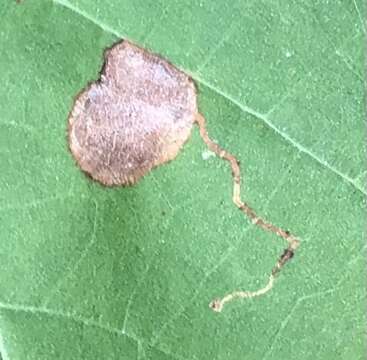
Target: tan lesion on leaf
(135,117)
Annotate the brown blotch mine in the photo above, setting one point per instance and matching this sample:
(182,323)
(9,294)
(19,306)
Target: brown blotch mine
(135,117)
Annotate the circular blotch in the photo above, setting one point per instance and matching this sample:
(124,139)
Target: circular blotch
(134,118)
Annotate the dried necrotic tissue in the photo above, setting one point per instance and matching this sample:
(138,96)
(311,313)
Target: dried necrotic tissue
(137,116)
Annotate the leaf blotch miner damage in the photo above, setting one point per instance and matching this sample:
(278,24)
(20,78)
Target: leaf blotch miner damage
(137,116)
(134,118)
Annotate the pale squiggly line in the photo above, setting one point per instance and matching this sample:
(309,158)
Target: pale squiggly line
(293,242)
(206,276)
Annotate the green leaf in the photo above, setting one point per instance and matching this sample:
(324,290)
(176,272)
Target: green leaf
(88,272)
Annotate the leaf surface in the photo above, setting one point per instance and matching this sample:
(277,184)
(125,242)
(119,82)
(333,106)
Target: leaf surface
(93,273)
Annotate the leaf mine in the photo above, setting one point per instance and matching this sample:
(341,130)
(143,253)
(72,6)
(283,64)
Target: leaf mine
(137,116)
(134,118)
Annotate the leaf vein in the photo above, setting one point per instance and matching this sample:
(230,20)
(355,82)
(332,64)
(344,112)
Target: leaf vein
(132,295)
(285,321)
(3,352)
(37,203)
(80,258)
(34,310)
(359,16)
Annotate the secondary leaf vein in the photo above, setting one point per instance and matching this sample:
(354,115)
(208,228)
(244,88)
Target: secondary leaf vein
(34,310)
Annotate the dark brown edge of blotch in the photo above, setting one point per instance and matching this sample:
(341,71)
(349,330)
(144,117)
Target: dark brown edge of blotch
(98,81)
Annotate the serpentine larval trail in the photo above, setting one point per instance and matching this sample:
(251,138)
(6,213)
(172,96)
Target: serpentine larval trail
(137,116)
